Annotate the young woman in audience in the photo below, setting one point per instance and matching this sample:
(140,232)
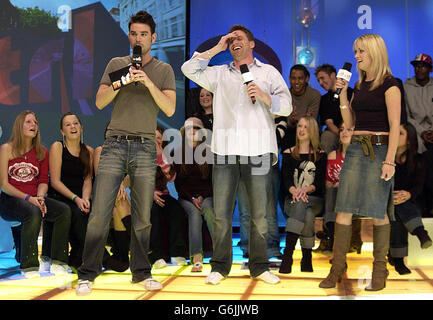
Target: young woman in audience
(303,175)
(204,108)
(165,206)
(24,167)
(71,172)
(333,168)
(194,186)
(409,181)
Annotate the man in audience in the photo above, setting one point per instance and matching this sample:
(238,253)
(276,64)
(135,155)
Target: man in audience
(419,101)
(305,101)
(329,110)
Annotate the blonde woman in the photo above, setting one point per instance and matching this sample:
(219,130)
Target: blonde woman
(24,184)
(303,175)
(366,180)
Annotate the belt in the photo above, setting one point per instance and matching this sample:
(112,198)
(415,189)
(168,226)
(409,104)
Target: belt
(367,142)
(129,138)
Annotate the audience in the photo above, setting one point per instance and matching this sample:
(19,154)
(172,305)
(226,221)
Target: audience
(24,167)
(165,206)
(71,171)
(303,175)
(194,186)
(409,180)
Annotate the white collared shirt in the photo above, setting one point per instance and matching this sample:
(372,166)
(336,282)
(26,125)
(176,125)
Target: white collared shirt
(241,127)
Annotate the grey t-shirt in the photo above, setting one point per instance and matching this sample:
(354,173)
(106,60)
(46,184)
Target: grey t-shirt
(135,110)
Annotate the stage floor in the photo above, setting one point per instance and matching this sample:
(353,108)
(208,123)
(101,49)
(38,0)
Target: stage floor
(179,283)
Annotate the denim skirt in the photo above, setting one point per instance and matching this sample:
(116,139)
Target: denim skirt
(361,191)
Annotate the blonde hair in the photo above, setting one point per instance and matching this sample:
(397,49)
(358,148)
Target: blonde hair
(313,134)
(17,139)
(376,48)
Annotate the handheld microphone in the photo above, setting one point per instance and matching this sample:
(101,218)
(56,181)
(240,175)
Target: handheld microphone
(345,74)
(247,77)
(136,58)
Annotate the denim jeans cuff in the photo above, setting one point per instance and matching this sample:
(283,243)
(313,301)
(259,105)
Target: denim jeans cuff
(136,278)
(295,226)
(399,252)
(307,242)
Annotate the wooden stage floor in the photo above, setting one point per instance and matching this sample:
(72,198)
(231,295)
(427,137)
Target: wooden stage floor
(180,284)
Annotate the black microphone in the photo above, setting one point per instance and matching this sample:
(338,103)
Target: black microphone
(136,58)
(345,74)
(247,77)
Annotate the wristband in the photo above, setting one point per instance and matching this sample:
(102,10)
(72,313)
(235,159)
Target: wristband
(27,197)
(389,163)
(73,197)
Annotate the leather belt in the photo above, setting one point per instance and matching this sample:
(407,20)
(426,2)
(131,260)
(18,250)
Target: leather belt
(129,138)
(367,142)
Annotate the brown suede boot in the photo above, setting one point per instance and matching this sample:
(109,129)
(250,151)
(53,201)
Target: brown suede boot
(342,238)
(356,241)
(381,236)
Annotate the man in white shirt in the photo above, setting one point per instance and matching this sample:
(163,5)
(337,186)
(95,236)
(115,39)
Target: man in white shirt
(244,144)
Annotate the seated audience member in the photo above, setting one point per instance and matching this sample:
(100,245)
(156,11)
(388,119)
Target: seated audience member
(71,169)
(24,167)
(204,108)
(303,175)
(419,97)
(419,102)
(305,101)
(409,180)
(166,206)
(194,186)
(333,168)
(329,110)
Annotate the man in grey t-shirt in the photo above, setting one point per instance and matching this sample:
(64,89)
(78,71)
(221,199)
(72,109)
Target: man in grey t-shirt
(129,148)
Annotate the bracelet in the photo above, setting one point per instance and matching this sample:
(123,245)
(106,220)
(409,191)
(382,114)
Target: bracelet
(343,107)
(27,197)
(389,163)
(73,197)
(208,55)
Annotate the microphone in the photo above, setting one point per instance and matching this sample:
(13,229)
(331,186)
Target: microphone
(136,58)
(345,74)
(247,77)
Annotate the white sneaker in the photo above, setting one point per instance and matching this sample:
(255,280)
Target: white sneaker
(268,277)
(31,274)
(214,278)
(151,284)
(44,264)
(84,287)
(159,264)
(59,269)
(179,261)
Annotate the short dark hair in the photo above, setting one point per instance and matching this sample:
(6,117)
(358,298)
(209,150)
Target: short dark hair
(244,29)
(143,17)
(327,68)
(300,67)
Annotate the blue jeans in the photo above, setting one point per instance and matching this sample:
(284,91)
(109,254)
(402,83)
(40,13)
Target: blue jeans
(30,216)
(120,157)
(195,223)
(301,218)
(226,177)
(273,241)
(407,219)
